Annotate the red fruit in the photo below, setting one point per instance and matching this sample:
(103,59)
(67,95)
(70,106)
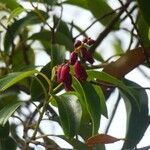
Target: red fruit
(77,44)
(67,82)
(85,40)
(90,42)
(86,55)
(64,72)
(73,58)
(58,73)
(80,71)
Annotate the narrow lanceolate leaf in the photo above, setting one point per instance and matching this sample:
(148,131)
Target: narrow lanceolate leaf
(137,118)
(13,78)
(17,11)
(70,113)
(102,139)
(8,110)
(92,102)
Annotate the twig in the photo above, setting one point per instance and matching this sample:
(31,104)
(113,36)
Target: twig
(110,26)
(101,18)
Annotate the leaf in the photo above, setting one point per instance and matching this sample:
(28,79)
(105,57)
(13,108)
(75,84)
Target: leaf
(8,110)
(11,4)
(137,119)
(98,56)
(4,130)
(144,8)
(17,11)
(102,100)
(99,8)
(102,139)
(19,25)
(118,46)
(45,38)
(102,76)
(78,3)
(85,130)
(70,113)
(143,29)
(93,105)
(23,57)
(57,55)
(13,78)
(7,143)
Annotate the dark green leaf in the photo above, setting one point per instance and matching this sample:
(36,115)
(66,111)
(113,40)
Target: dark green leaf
(57,55)
(98,57)
(144,8)
(4,130)
(45,38)
(15,28)
(137,119)
(70,113)
(23,58)
(8,110)
(143,29)
(7,143)
(13,78)
(82,3)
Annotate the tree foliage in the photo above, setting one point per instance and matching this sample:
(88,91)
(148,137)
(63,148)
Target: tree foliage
(73,88)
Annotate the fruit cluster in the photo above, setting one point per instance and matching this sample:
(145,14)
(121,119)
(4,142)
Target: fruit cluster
(80,51)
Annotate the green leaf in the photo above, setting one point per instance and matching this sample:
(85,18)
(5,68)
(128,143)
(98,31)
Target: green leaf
(4,130)
(15,28)
(57,55)
(70,113)
(82,3)
(137,119)
(93,105)
(144,8)
(99,8)
(8,110)
(13,78)
(45,38)
(98,56)
(143,29)
(23,58)
(17,11)
(11,4)
(102,100)
(7,143)
(118,46)
(102,76)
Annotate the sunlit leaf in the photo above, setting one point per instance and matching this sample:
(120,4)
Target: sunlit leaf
(15,13)
(11,4)
(13,78)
